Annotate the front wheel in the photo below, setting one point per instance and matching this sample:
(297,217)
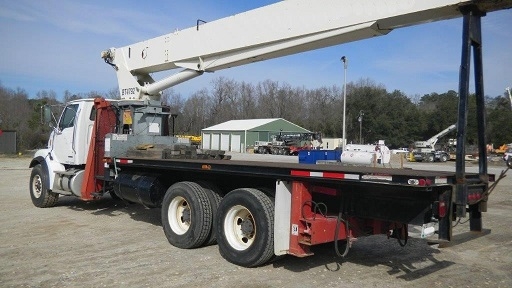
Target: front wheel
(245,227)
(41,196)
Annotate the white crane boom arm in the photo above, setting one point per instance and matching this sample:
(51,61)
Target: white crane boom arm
(276,30)
(430,143)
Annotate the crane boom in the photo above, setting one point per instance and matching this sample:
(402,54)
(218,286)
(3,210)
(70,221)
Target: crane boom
(430,143)
(276,30)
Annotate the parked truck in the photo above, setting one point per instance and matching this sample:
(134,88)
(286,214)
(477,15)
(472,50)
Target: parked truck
(426,150)
(252,210)
(289,143)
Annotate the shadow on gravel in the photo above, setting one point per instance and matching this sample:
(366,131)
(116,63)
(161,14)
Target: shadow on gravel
(414,261)
(112,207)
(461,238)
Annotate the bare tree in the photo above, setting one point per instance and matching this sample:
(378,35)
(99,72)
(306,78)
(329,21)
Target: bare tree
(113,94)
(267,99)
(224,100)
(248,103)
(195,114)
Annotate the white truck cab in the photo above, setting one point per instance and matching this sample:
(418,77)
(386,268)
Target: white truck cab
(59,168)
(69,140)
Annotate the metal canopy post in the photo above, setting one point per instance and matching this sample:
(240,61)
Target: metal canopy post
(471,38)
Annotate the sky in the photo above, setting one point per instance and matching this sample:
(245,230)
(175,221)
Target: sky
(56,45)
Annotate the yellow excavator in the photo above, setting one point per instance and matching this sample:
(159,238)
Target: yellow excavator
(194,140)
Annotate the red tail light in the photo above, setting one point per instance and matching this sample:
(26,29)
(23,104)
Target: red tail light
(442,209)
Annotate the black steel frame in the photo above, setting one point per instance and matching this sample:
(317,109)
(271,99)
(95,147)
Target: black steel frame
(471,38)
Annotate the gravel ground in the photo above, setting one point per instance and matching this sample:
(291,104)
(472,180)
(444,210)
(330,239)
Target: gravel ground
(108,244)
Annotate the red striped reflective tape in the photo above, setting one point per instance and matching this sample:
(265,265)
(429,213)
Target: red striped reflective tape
(124,161)
(319,174)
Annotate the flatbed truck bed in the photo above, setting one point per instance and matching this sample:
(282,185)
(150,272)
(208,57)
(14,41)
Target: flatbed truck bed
(312,204)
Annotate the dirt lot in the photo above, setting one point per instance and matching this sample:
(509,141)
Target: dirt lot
(108,244)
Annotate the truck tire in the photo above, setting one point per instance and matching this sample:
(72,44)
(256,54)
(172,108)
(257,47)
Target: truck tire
(443,158)
(215,196)
(186,215)
(509,162)
(430,158)
(245,227)
(39,192)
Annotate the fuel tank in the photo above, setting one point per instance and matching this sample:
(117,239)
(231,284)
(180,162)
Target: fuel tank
(145,189)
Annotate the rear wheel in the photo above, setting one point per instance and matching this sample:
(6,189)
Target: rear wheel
(509,161)
(245,227)
(215,196)
(39,192)
(444,158)
(430,158)
(186,215)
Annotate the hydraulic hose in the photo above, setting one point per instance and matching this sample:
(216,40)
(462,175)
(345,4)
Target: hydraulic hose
(336,234)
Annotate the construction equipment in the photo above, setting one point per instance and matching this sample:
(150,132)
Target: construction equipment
(194,139)
(500,150)
(426,150)
(289,143)
(253,210)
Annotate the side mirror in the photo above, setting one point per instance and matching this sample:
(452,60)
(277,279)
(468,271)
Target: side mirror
(46,115)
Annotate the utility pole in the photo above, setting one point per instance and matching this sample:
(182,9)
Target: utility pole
(360,119)
(345,64)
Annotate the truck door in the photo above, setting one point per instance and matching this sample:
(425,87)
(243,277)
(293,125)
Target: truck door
(64,137)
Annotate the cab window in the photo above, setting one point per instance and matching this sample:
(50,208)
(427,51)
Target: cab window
(68,117)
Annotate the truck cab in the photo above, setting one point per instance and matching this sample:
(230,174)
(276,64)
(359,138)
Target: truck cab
(69,141)
(59,168)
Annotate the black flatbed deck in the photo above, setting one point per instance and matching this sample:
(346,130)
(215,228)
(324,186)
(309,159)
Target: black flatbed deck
(290,170)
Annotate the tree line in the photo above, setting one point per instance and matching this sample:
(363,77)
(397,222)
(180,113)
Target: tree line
(372,112)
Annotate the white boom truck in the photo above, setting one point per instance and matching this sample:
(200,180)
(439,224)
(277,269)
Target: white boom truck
(426,150)
(253,210)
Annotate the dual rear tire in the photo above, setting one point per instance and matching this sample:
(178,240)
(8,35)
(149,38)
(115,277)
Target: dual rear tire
(187,216)
(245,227)
(242,223)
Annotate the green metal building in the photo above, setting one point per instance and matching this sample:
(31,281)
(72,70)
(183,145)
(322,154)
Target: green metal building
(240,135)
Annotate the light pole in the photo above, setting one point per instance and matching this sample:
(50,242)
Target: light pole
(345,64)
(360,119)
